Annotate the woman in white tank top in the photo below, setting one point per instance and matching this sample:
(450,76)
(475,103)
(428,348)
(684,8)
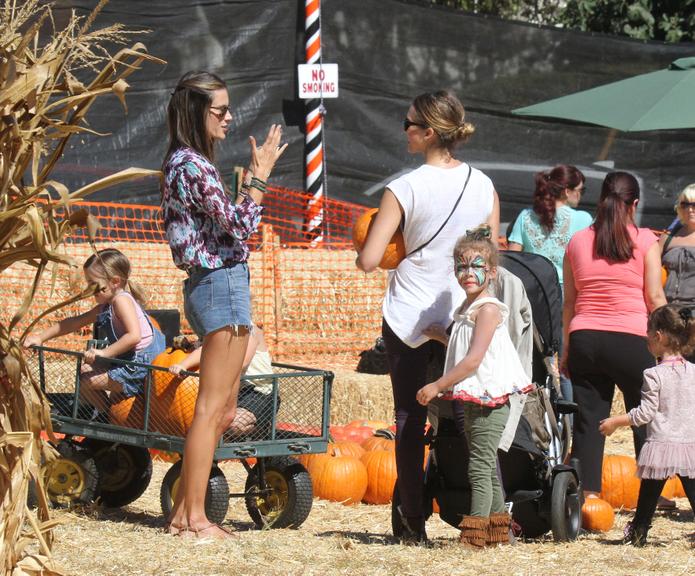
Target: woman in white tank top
(423,290)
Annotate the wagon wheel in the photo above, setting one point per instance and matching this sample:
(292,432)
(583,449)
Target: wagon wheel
(124,471)
(565,507)
(73,477)
(288,497)
(216,497)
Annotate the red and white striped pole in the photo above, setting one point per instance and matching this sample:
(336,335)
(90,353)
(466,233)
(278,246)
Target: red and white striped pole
(313,140)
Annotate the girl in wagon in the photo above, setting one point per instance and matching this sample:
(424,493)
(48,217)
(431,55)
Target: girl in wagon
(120,318)
(482,370)
(668,397)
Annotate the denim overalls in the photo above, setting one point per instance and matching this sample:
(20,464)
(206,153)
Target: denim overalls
(131,377)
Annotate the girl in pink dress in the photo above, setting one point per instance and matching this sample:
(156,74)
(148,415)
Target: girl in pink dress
(668,397)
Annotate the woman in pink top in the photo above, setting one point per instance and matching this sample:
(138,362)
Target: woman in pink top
(612,273)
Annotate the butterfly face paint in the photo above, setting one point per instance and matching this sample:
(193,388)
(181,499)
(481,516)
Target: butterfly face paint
(475,266)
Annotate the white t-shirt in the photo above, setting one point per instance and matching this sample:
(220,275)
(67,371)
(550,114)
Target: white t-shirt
(423,289)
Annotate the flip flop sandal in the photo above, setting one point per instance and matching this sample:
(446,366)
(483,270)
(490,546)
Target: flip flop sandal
(169,528)
(198,531)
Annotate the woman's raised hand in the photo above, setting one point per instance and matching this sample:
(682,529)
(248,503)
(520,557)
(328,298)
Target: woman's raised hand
(263,157)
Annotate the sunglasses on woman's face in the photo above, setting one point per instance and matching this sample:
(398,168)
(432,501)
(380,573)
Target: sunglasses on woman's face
(687,205)
(408,123)
(219,111)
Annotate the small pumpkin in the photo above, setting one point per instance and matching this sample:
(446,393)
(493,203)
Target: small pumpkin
(673,488)
(664,275)
(395,250)
(597,515)
(619,481)
(381,474)
(339,479)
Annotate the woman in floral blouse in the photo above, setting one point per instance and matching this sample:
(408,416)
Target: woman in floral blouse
(207,230)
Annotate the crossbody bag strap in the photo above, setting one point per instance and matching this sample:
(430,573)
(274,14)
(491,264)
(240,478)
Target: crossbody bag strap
(669,237)
(468,177)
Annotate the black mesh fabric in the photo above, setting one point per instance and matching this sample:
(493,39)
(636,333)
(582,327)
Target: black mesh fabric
(388,51)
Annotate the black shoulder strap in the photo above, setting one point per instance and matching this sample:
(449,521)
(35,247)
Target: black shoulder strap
(468,177)
(670,236)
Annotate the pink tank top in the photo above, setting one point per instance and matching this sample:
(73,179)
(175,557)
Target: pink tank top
(145,328)
(610,296)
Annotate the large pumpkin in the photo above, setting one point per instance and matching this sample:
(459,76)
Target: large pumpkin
(395,250)
(127,412)
(381,474)
(339,479)
(346,448)
(173,399)
(619,482)
(597,515)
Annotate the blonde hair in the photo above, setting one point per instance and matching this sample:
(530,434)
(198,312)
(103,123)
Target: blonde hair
(110,263)
(444,113)
(478,240)
(687,195)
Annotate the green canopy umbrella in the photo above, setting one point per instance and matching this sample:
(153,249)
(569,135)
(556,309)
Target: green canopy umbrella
(662,100)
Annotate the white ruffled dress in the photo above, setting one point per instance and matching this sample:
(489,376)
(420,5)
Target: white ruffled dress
(500,374)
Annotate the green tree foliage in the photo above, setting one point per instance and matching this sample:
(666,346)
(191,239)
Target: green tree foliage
(667,20)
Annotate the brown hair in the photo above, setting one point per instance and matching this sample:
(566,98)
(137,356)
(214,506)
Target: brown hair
(613,217)
(550,185)
(109,263)
(677,324)
(187,112)
(444,113)
(478,240)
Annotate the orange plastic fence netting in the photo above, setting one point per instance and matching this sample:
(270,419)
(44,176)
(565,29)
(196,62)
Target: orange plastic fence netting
(311,301)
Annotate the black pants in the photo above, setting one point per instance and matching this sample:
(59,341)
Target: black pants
(649,493)
(408,368)
(597,362)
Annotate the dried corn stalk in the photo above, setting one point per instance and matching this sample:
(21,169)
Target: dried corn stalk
(44,99)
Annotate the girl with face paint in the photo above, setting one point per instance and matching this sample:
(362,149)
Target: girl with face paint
(482,370)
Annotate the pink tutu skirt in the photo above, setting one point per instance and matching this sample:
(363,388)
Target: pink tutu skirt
(659,460)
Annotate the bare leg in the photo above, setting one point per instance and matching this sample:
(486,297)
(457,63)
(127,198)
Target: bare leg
(244,422)
(220,367)
(94,385)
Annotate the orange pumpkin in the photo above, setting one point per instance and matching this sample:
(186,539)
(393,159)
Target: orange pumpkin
(673,488)
(346,448)
(619,482)
(127,412)
(381,474)
(395,250)
(339,479)
(173,399)
(435,506)
(379,443)
(664,275)
(597,515)
(375,424)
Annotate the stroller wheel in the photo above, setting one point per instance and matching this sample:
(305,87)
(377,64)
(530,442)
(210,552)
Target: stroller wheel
(565,507)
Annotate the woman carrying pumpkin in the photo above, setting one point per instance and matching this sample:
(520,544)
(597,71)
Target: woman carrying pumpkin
(612,279)
(207,232)
(431,205)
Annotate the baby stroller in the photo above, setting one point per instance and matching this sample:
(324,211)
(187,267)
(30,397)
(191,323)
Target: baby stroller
(542,492)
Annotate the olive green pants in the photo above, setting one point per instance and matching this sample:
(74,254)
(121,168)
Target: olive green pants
(484,427)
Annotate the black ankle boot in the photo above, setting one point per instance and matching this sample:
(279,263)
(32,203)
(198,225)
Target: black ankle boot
(635,534)
(413,530)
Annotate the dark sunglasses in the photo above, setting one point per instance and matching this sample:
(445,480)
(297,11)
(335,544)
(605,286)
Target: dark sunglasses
(221,111)
(685,205)
(408,123)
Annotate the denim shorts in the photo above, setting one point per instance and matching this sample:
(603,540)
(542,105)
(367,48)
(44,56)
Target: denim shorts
(215,298)
(131,377)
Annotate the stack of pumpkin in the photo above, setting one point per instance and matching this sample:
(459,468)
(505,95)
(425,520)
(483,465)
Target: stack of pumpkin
(351,471)
(619,489)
